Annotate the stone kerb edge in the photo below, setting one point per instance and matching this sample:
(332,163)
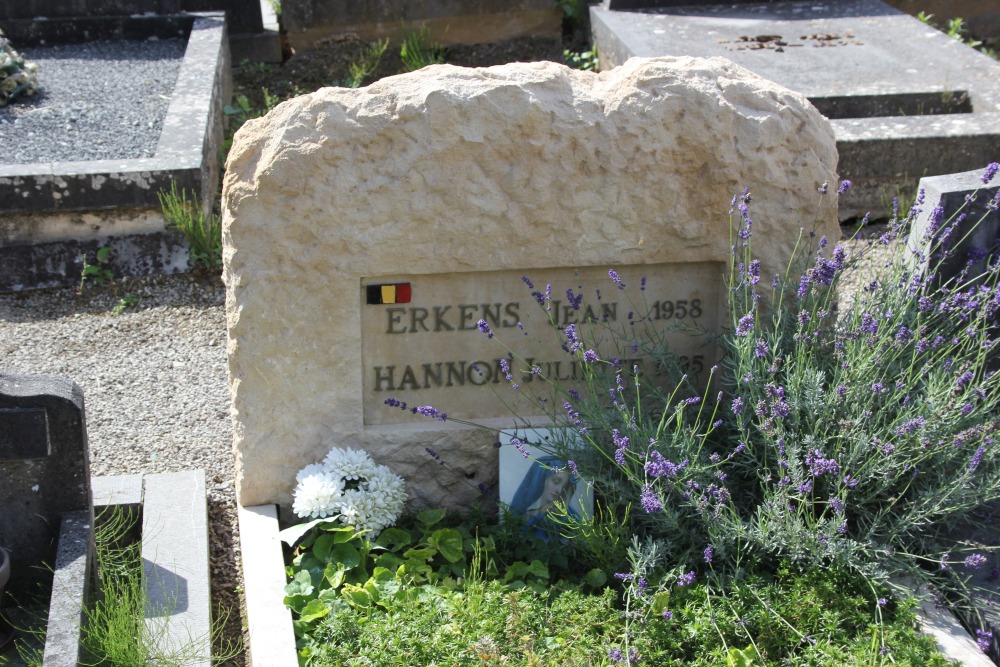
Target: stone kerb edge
(294,361)
(181,156)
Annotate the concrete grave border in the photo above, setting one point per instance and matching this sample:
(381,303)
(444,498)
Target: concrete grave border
(174,542)
(51,213)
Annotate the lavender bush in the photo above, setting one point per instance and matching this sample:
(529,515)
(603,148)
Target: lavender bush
(840,430)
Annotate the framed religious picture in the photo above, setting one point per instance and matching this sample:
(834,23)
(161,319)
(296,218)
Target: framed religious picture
(537,475)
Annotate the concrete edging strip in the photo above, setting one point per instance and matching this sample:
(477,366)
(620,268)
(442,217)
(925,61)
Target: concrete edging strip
(272,641)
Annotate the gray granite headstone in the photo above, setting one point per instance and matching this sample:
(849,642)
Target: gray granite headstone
(44,463)
(976,236)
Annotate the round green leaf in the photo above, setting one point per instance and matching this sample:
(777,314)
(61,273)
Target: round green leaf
(394,539)
(346,555)
(430,517)
(314,610)
(448,543)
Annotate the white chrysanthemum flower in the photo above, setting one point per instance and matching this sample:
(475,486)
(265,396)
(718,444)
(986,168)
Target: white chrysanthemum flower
(356,508)
(352,487)
(309,470)
(389,494)
(317,495)
(349,463)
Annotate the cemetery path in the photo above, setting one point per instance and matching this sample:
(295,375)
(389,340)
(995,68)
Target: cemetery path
(155,385)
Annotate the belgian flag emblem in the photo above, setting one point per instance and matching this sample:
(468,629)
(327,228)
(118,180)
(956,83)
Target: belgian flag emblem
(387,294)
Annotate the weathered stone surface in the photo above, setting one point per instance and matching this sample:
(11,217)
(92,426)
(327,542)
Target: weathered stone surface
(457,171)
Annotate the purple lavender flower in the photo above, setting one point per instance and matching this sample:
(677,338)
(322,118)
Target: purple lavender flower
(485,328)
(976,459)
(753,271)
(590,356)
(572,467)
(869,324)
(658,466)
(571,338)
(836,504)
(990,172)
(574,300)
(911,426)
(882,602)
(650,501)
(760,349)
(844,186)
(519,446)
(429,411)
(709,553)
(964,379)
(820,466)
(984,639)
(433,455)
(967,409)
(745,325)
(616,279)
(803,286)
(975,561)
(667,614)
(737,406)
(686,579)
(394,403)
(527,281)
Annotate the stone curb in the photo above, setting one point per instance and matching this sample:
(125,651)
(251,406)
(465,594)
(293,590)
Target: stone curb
(272,641)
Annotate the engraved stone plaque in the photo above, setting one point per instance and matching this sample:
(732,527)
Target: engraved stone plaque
(421,342)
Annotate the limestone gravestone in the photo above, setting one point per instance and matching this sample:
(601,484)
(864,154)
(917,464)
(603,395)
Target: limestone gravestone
(368,231)
(44,464)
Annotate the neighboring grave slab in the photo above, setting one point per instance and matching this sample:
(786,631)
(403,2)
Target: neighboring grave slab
(977,236)
(906,100)
(443,187)
(44,463)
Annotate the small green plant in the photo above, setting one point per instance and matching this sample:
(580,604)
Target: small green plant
(100,271)
(367,63)
(18,77)
(585,60)
(202,233)
(572,9)
(418,51)
(126,302)
(956,29)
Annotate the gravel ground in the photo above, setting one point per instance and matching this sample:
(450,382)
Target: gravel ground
(155,387)
(97,101)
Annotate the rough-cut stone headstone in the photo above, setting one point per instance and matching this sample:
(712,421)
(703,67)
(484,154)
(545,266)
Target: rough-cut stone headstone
(44,464)
(366,231)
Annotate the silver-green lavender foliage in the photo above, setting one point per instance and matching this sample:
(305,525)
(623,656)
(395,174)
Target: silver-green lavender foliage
(18,77)
(871,428)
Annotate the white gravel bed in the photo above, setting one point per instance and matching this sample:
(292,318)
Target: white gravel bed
(154,376)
